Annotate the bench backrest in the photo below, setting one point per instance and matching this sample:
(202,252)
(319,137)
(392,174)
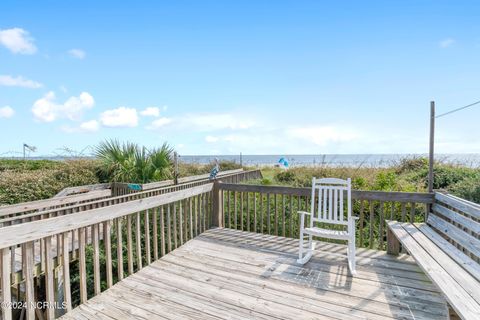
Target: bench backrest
(331,201)
(457,220)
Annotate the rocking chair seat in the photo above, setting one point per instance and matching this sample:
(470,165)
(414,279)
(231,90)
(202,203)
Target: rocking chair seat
(327,233)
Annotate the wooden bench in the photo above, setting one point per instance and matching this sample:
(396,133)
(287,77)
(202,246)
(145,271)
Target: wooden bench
(447,248)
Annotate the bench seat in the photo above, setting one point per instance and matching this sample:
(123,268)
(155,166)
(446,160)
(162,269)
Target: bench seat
(442,262)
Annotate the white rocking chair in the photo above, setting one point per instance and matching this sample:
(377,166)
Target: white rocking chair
(329,193)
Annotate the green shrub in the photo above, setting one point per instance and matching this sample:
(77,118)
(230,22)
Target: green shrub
(285,176)
(386,181)
(266,182)
(29,185)
(445,176)
(21,165)
(411,164)
(228,165)
(468,188)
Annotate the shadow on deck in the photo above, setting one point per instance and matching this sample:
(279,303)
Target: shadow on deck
(230,274)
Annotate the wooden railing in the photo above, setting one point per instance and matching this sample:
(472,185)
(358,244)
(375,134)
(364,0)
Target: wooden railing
(52,203)
(38,210)
(234,176)
(273,210)
(128,236)
(82,189)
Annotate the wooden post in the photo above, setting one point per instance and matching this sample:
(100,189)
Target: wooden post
(393,245)
(217,216)
(175,162)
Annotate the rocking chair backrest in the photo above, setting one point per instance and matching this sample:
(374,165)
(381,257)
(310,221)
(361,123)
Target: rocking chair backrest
(330,206)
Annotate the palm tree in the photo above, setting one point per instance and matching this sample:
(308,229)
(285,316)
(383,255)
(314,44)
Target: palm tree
(129,162)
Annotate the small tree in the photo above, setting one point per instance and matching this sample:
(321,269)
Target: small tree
(129,162)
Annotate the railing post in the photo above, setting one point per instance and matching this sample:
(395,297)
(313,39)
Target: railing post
(217,216)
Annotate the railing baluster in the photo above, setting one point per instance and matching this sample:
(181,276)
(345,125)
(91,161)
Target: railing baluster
(392,212)
(205,212)
(185,219)
(276,213)
(82,266)
(268,214)
(229,221)
(155,233)
(404,212)
(262,230)
(129,244)
(412,212)
(372,222)
(107,230)
(175,241)
(138,241)
(162,231)
(380,227)
(67,294)
(190,214)
(195,215)
(169,229)
(291,216)
(180,222)
(96,260)
(5,283)
(248,211)
(283,216)
(235,209)
(148,252)
(241,211)
(50,275)
(360,221)
(27,269)
(255,212)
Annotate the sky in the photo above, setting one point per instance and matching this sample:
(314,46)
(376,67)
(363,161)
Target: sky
(224,77)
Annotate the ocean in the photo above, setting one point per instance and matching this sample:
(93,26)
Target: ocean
(335,160)
(295,160)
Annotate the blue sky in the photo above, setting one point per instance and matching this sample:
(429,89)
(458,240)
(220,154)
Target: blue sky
(223,77)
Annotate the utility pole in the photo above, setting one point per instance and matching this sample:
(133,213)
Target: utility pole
(241,160)
(431,151)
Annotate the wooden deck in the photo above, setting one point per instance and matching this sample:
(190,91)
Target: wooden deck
(229,274)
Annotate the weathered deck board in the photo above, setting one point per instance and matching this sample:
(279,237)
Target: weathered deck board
(229,274)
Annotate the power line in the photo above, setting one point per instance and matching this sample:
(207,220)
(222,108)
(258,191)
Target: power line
(458,109)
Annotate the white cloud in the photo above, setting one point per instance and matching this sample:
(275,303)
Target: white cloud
(151,112)
(6,112)
(159,123)
(9,81)
(211,139)
(46,109)
(77,53)
(90,126)
(17,40)
(445,43)
(119,117)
